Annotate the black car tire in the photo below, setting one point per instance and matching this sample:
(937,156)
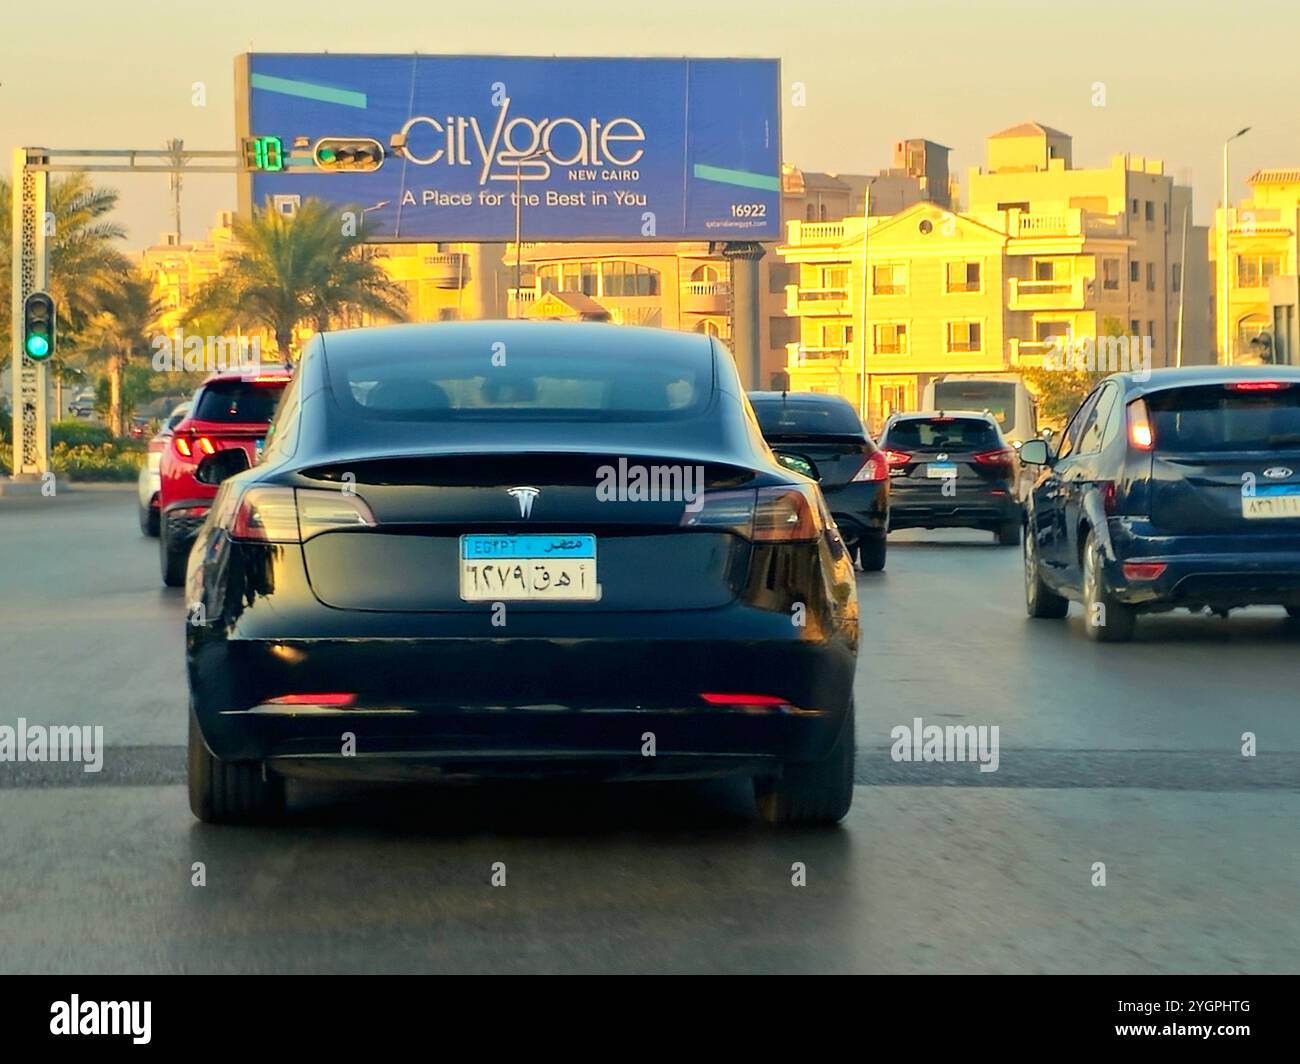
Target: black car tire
(173,561)
(871,553)
(148,521)
(1008,534)
(1041,601)
(229,792)
(1117,619)
(809,794)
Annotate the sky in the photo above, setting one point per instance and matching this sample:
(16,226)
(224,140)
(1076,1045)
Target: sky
(1178,77)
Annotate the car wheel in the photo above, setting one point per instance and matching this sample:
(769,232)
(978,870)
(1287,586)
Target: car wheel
(1040,600)
(1105,618)
(810,794)
(1008,534)
(173,561)
(148,521)
(871,553)
(229,792)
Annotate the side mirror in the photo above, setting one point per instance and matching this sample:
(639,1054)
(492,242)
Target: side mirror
(1034,452)
(799,463)
(221,466)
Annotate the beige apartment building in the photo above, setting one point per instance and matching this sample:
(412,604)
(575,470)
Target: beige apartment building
(1261,291)
(1043,252)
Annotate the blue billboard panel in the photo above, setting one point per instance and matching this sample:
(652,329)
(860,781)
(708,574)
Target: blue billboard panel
(600,149)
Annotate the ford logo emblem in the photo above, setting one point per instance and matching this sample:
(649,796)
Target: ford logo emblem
(1278,472)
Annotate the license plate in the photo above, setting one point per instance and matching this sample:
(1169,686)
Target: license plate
(940,469)
(1272,500)
(528,568)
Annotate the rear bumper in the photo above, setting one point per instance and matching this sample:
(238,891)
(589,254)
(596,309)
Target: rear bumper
(181,521)
(859,509)
(925,506)
(492,701)
(1215,571)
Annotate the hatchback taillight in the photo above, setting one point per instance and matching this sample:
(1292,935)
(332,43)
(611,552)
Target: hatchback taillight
(288,515)
(1004,456)
(1140,435)
(897,458)
(875,468)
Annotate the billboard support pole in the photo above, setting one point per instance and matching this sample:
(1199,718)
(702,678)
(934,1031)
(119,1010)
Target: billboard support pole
(743,257)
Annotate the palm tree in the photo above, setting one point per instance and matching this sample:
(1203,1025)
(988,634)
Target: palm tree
(290,270)
(82,260)
(121,332)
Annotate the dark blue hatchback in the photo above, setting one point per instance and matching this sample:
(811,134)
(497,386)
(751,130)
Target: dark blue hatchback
(1177,491)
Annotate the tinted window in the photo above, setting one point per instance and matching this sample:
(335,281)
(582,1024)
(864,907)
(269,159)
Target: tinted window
(1095,425)
(997,397)
(1218,418)
(531,385)
(1070,437)
(238,401)
(943,434)
(807,419)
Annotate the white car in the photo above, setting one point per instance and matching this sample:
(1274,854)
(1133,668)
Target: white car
(148,485)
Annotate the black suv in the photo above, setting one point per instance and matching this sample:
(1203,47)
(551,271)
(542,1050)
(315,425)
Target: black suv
(952,469)
(826,432)
(1182,490)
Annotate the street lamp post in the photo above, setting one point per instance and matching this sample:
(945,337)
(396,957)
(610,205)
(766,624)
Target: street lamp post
(1225,324)
(536,153)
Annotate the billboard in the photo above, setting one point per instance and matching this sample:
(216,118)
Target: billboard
(599,149)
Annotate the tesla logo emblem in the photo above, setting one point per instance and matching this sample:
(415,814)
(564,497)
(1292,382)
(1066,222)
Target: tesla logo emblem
(1278,472)
(525,496)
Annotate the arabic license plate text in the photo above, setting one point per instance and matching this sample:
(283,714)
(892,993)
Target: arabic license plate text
(528,568)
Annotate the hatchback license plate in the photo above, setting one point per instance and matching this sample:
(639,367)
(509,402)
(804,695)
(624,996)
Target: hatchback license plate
(528,568)
(1272,500)
(940,469)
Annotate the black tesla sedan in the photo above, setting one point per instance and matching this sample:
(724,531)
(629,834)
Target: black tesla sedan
(952,469)
(1180,490)
(825,432)
(518,549)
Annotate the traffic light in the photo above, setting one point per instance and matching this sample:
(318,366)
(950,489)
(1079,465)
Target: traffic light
(38,326)
(348,154)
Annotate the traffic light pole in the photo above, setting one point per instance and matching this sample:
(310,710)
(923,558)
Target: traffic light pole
(30,188)
(31,227)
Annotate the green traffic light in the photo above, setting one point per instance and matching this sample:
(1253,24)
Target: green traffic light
(38,346)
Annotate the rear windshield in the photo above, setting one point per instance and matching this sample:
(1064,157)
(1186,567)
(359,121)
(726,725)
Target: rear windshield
(776,418)
(241,402)
(997,397)
(943,434)
(530,386)
(1219,418)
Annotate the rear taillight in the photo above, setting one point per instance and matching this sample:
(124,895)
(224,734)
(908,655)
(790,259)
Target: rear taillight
(183,447)
(188,446)
(875,468)
(1140,435)
(765,515)
(1004,456)
(1144,570)
(283,515)
(1259,386)
(897,458)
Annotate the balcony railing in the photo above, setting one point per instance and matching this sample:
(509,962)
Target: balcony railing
(448,269)
(1048,295)
(1072,221)
(801,355)
(705,297)
(816,301)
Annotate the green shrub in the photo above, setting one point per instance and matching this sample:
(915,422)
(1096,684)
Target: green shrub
(75,433)
(104,462)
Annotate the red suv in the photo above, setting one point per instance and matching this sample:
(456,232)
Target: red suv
(228,410)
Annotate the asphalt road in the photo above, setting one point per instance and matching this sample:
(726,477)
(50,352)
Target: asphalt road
(1128,755)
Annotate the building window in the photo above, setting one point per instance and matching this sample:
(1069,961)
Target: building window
(780,274)
(890,338)
(1134,327)
(548,278)
(1176,277)
(1151,211)
(835,278)
(1015,206)
(1135,208)
(709,327)
(889,280)
(1166,215)
(628,279)
(782,331)
(963,336)
(1110,274)
(1151,276)
(963,277)
(811,214)
(1254,271)
(822,212)
(1135,271)
(706,274)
